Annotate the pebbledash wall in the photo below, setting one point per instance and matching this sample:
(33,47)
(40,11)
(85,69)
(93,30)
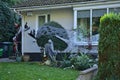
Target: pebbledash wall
(67,17)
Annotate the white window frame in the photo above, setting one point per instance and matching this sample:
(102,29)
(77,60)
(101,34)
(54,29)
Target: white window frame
(37,20)
(104,6)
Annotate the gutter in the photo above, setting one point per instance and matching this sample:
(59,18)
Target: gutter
(33,8)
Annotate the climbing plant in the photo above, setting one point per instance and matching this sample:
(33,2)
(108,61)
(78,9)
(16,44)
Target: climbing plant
(109,48)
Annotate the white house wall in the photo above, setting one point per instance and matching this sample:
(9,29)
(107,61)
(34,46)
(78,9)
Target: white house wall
(62,16)
(29,43)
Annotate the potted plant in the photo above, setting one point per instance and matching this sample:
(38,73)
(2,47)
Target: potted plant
(18,57)
(26,58)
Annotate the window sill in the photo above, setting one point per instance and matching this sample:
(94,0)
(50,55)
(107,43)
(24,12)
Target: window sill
(86,43)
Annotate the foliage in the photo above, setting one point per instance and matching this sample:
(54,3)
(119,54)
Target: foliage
(7,19)
(64,64)
(52,23)
(109,48)
(80,62)
(49,31)
(82,31)
(11,2)
(58,44)
(63,60)
(34,71)
(63,56)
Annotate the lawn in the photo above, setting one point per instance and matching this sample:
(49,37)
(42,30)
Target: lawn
(34,71)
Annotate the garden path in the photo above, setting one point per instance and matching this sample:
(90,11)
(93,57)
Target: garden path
(6,60)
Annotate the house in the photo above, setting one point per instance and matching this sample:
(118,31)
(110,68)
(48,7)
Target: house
(80,16)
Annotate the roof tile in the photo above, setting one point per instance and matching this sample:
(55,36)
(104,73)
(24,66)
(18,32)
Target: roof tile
(29,3)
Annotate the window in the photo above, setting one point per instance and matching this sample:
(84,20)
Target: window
(83,25)
(43,19)
(114,10)
(96,15)
(48,17)
(88,24)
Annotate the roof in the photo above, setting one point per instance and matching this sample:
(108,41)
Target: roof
(30,3)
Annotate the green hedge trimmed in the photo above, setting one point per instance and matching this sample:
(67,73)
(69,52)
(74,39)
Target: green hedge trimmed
(109,48)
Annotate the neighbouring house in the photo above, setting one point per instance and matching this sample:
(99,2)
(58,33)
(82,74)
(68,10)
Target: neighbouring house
(80,18)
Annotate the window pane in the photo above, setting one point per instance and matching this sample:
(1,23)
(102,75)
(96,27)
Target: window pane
(83,23)
(48,18)
(114,10)
(41,20)
(83,14)
(96,15)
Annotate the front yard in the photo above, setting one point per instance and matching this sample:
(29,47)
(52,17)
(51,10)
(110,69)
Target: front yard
(34,71)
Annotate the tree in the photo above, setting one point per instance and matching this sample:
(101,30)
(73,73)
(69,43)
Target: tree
(11,2)
(109,48)
(7,20)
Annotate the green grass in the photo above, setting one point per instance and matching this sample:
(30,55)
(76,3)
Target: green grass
(34,71)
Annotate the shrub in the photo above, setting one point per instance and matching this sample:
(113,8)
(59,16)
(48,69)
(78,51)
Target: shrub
(48,31)
(7,19)
(80,62)
(109,48)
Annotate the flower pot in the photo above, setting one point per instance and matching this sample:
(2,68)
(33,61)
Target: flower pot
(18,58)
(26,58)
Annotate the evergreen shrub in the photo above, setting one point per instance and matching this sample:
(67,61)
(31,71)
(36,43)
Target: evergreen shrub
(109,47)
(7,20)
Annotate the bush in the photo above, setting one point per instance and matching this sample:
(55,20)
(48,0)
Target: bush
(7,19)
(109,48)
(80,62)
(49,31)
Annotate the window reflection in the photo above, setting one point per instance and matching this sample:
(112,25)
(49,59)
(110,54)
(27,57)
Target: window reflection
(83,23)
(115,10)
(84,29)
(96,15)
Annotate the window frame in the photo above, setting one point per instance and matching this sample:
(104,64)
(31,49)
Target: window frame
(37,20)
(91,8)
